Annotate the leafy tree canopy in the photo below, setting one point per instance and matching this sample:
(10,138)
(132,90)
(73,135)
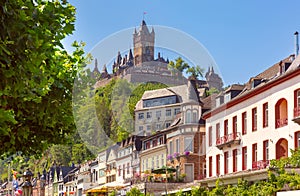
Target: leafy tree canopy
(37,74)
(182,66)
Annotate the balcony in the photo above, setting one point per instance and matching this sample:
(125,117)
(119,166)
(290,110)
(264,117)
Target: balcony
(260,164)
(228,140)
(281,122)
(297,115)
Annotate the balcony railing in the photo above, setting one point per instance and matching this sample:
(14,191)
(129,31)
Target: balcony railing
(233,138)
(260,164)
(281,122)
(297,115)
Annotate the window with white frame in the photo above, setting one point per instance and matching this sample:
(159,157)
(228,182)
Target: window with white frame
(149,115)
(188,143)
(188,116)
(177,145)
(176,111)
(168,112)
(141,116)
(195,116)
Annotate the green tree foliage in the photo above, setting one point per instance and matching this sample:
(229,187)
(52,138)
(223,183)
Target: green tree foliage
(115,104)
(195,72)
(281,174)
(134,192)
(81,153)
(181,66)
(113,193)
(104,111)
(37,74)
(61,154)
(138,92)
(212,91)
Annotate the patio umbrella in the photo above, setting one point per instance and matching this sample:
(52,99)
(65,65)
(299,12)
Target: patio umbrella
(164,170)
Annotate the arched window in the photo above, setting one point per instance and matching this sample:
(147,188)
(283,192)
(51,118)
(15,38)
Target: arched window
(281,148)
(281,113)
(195,116)
(188,116)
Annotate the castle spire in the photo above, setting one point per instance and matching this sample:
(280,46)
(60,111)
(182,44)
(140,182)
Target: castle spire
(96,66)
(130,56)
(144,28)
(104,69)
(119,58)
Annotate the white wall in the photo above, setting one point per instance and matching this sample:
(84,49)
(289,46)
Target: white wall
(283,90)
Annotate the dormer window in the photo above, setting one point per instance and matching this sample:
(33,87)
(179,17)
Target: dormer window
(284,67)
(227,97)
(219,101)
(255,82)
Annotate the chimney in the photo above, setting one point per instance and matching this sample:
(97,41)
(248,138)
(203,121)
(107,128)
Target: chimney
(296,44)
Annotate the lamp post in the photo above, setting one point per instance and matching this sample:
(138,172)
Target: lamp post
(27,186)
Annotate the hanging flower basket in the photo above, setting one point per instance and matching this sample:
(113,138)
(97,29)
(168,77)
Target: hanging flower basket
(169,157)
(187,153)
(176,154)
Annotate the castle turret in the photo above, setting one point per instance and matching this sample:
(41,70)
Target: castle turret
(143,42)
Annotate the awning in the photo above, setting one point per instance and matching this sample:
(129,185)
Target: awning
(163,170)
(98,189)
(106,187)
(70,193)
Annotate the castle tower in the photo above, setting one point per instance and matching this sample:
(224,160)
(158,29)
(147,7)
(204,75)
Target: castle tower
(143,42)
(213,79)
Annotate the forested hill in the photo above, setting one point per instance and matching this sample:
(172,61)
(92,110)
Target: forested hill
(114,104)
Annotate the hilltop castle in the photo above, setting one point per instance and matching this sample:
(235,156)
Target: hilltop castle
(141,65)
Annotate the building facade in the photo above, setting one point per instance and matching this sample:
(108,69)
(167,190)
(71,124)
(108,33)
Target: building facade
(257,125)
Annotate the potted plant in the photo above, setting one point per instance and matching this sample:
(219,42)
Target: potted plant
(181,177)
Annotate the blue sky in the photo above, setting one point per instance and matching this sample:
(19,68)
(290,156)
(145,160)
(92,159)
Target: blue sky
(243,37)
